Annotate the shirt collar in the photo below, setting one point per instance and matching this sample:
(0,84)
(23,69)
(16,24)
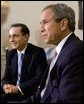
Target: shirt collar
(60,45)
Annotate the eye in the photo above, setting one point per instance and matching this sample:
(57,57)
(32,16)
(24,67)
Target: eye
(43,22)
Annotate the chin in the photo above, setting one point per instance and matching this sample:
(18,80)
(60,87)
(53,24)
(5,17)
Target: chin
(46,41)
(14,47)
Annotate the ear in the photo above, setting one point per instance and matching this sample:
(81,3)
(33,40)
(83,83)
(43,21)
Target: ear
(27,37)
(64,24)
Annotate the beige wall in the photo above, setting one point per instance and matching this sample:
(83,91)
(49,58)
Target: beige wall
(28,12)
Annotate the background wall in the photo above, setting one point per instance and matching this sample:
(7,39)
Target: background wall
(28,12)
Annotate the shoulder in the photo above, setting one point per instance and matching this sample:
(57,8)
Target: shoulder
(11,53)
(72,50)
(74,44)
(34,49)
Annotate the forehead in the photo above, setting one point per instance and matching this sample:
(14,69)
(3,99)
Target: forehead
(15,30)
(47,13)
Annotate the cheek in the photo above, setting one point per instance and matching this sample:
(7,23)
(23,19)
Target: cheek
(22,41)
(19,41)
(51,28)
(47,27)
(53,35)
(52,32)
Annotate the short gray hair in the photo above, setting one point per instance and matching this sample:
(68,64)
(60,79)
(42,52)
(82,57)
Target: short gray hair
(63,11)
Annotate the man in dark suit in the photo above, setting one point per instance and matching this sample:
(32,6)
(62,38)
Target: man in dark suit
(64,83)
(23,72)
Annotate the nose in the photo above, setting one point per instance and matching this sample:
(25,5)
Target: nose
(42,28)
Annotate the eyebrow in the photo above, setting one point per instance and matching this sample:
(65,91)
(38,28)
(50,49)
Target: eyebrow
(14,35)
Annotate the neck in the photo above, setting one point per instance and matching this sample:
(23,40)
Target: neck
(22,48)
(62,36)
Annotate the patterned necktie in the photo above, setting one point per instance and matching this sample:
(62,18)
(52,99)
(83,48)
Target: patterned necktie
(20,58)
(53,60)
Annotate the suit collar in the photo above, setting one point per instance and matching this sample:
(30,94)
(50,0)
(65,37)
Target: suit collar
(63,50)
(28,50)
(70,39)
(60,45)
(67,42)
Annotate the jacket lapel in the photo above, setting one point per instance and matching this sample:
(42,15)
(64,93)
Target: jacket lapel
(14,63)
(26,62)
(49,86)
(47,92)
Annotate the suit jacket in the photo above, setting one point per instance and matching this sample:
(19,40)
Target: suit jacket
(33,67)
(66,78)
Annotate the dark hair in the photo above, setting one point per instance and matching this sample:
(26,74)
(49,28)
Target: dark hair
(24,29)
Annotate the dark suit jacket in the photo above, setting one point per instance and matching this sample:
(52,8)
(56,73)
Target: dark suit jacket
(33,67)
(66,79)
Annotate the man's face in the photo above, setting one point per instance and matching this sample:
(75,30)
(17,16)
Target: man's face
(17,40)
(50,30)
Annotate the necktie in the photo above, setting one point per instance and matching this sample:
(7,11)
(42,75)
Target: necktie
(20,58)
(53,60)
